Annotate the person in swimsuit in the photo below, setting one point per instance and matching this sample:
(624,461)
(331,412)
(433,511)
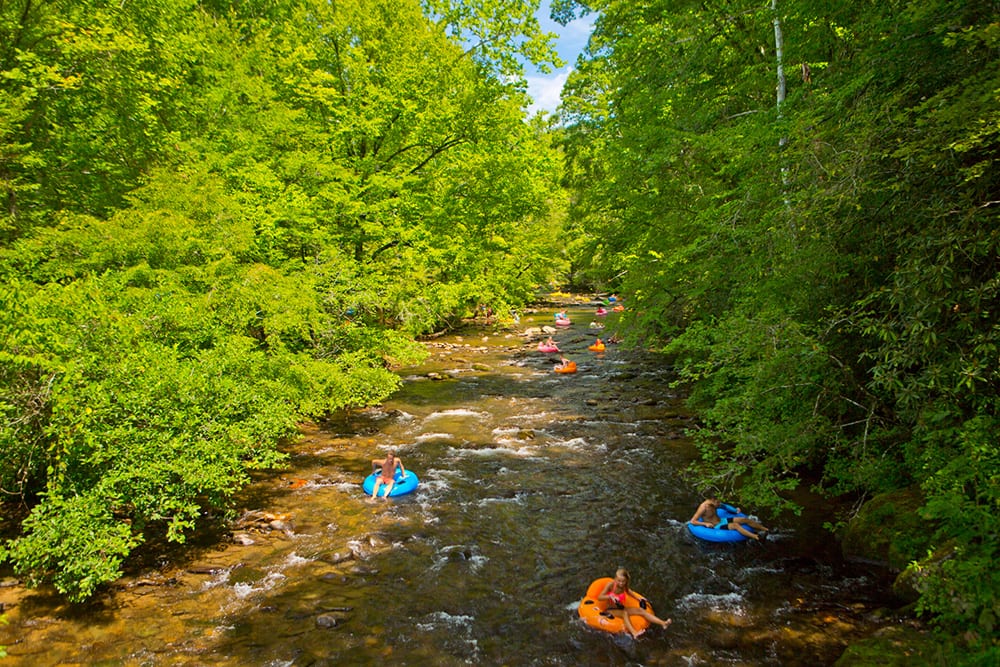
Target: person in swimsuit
(387,476)
(616,592)
(707,515)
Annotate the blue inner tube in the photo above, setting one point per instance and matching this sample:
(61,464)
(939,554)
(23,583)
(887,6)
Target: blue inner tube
(404,484)
(723,535)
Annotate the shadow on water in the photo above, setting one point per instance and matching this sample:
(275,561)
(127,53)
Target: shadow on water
(532,485)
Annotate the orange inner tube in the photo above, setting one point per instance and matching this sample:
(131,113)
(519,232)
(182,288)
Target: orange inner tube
(594,614)
(597,347)
(568,368)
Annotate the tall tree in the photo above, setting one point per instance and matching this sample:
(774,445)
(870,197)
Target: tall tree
(832,322)
(225,217)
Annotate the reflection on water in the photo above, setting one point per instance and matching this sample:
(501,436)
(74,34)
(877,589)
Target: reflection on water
(532,485)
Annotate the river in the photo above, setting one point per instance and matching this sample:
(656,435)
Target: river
(533,484)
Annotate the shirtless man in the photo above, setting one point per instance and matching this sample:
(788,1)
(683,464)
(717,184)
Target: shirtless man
(388,473)
(707,516)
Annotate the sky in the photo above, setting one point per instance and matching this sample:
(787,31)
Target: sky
(545,88)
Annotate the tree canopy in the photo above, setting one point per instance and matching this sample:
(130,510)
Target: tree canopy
(223,218)
(810,225)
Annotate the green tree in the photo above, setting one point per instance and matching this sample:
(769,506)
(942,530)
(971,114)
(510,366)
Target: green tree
(822,274)
(226,217)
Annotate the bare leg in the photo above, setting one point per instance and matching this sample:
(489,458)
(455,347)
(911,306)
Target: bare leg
(378,483)
(628,625)
(739,522)
(388,489)
(636,611)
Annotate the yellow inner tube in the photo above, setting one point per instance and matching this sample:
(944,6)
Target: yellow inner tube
(595,614)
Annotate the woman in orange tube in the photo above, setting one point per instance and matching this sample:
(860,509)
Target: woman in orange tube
(615,594)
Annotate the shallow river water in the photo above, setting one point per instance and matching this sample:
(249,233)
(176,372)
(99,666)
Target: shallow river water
(532,485)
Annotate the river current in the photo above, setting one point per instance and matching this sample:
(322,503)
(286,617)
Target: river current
(533,484)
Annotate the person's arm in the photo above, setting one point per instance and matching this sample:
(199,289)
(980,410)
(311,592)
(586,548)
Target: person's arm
(401,468)
(696,519)
(376,464)
(604,593)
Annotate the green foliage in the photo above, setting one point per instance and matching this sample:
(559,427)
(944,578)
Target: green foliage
(825,271)
(76,543)
(222,218)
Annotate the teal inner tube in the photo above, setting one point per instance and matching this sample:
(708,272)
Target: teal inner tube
(403,484)
(725,512)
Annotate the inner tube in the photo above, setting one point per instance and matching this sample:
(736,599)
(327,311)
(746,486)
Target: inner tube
(597,347)
(403,484)
(568,368)
(723,534)
(563,322)
(594,612)
(547,348)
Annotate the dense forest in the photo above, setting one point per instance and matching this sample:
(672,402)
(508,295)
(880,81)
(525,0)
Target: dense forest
(801,200)
(221,218)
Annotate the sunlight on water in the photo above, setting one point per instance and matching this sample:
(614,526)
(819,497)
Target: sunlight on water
(531,486)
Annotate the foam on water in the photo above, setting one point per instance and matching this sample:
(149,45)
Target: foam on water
(486,452)
(517,499)
(217,579)
(348,487)
(579,444)
(761,569)
(544,416)
(508,442)
(425,437)
(456,412)
(243,590)
(293,559)
(731,602)
(457,627)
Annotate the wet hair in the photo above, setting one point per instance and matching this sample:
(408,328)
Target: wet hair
(622,571)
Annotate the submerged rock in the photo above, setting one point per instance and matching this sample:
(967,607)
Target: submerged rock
(327,621)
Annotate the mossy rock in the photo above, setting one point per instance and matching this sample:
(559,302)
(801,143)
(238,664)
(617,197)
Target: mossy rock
(889,530)
(895,646)
(909,584)
(906,646)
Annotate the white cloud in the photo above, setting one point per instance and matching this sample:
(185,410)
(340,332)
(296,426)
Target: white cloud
(571,39)
(545,90)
